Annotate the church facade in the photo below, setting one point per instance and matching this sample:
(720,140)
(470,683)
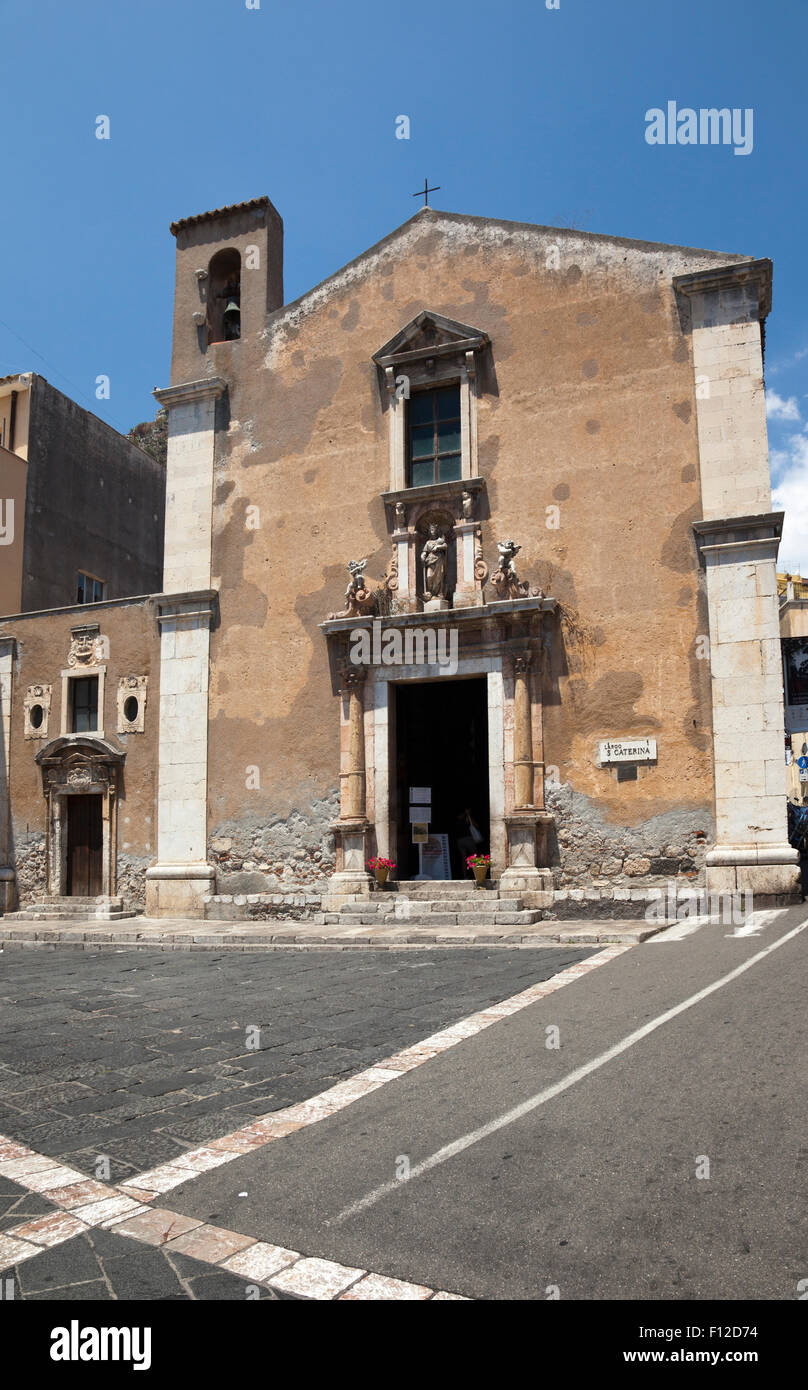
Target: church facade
(471,547)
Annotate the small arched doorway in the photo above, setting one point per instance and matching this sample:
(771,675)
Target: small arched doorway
(81,780)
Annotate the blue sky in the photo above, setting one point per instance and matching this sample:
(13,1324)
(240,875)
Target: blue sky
(517,111)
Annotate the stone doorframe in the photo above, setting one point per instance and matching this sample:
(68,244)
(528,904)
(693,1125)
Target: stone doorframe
(83,765)
(509,638)
(380,751)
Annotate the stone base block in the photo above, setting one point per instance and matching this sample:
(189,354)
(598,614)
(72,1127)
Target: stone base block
(178,890)
(770,873)
(351,885)
(526,881)
(8,890)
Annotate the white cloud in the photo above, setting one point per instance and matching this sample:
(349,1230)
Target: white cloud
(781,408)
(790,495)
(786,363)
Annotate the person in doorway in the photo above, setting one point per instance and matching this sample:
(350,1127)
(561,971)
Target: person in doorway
(469,838)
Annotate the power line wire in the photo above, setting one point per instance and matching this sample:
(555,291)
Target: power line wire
(55,370)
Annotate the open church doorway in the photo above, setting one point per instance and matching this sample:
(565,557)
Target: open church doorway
(441,733)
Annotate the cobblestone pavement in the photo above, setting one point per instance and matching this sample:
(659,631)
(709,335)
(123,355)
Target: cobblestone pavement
(101,1265)
(116,1062)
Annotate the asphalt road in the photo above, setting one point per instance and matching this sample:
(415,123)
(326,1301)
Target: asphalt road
(594,1193)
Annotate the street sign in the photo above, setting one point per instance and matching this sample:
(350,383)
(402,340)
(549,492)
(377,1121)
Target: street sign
(802,761)
(624,750)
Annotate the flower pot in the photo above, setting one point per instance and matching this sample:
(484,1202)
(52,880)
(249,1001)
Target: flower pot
(381,875)
(480,873)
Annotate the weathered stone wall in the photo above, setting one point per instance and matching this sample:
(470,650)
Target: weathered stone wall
(287,905)
(132,878)
(588,850)
(255,856)
(30,866)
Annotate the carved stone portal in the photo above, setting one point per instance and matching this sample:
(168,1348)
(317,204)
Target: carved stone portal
(80,766)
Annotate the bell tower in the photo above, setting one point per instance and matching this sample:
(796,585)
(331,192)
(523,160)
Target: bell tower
(229,277)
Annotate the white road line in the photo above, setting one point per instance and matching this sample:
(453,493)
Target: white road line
(755,923)
(476,1135)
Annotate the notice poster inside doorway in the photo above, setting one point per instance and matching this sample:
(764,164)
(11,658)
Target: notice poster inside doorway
(434,858)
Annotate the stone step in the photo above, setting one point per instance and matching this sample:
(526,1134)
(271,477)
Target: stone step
(267,936)
(384,906)
(491,917)
(74,900)
(439,888)
(68,912)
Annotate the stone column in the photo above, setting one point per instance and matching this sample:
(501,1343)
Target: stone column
(522,733)
(351,831)
(738,540)
(525,821)
(177,884)
(7,876)
(352,799)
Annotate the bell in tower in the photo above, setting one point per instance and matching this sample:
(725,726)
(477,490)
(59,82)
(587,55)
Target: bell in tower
(229,279)
(231,317)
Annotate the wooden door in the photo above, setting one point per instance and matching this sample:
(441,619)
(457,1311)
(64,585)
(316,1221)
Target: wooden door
(84,847)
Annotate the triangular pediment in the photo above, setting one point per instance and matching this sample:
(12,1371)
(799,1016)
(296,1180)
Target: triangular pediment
(430,333)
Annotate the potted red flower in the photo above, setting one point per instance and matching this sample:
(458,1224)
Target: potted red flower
(381,868)
(479,865)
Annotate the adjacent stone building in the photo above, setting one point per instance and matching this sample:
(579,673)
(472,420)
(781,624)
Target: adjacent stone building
(81,528)
(471,547)
(87,504)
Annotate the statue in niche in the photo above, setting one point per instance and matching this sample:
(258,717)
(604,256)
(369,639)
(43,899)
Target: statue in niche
(468,505)
(435,559)
(505,579)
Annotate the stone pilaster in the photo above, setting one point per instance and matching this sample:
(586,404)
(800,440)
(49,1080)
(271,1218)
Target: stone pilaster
(189,483)
(738,540)
(7,876)
(469,564)
(181,877)
(751,851)
(406,598)
(177,883)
